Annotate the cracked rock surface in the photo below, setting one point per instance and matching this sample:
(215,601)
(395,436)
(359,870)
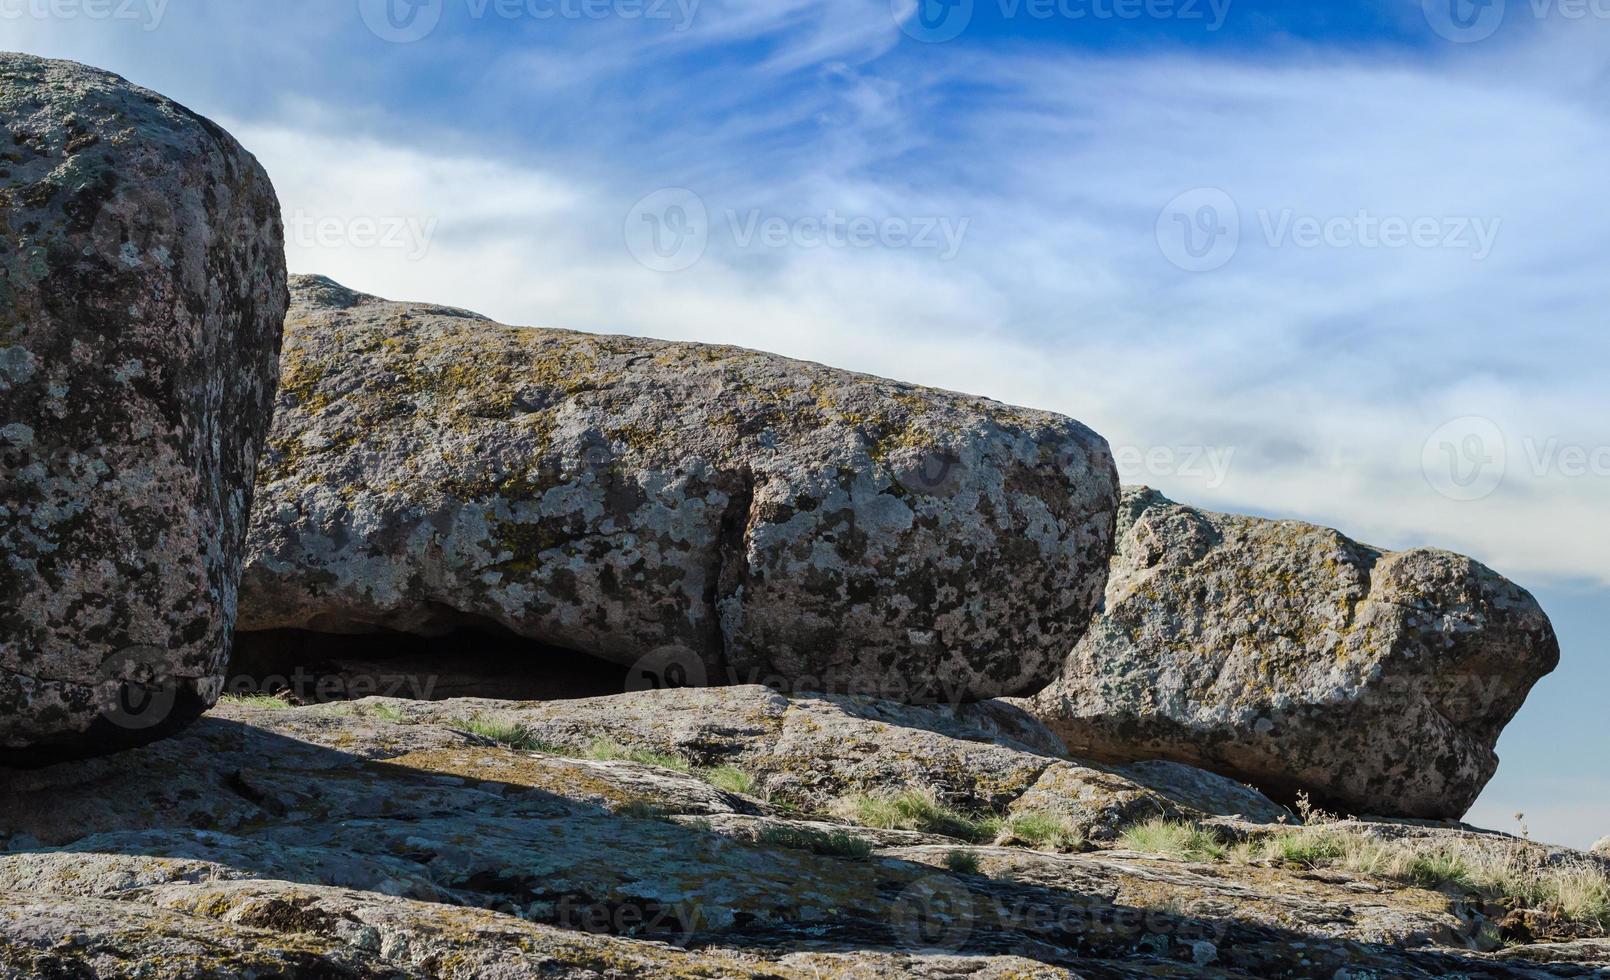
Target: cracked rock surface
(390,839)
(142,289)
(1296,659)
(731,516)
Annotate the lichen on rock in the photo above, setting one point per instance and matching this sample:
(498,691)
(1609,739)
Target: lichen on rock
(142,292)
(740,515)
(1298,660)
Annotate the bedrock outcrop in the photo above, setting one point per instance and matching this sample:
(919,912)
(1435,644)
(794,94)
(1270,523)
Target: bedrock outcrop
(612,838)
(728,515)
(1298,660)
(142,291)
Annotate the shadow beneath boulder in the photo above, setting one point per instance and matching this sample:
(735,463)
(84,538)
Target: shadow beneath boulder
(477,660)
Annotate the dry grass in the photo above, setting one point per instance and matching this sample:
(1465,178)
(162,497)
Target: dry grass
(915,809)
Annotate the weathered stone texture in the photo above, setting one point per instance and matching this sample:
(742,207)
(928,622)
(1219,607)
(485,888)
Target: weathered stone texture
(142,292)
(740,515)
(1295,659)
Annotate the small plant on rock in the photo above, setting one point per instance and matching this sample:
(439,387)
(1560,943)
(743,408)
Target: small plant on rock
(828,843)
(916,809)
(605,750)
(508,733)
(731,779)
(1041,831)
(1175,839)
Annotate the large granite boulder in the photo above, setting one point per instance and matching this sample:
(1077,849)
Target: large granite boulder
(730,516)
(1297,660)
(142,291)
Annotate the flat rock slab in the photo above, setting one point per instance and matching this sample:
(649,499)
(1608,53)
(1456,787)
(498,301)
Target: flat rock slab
(708,514)
(142,291)
(357,841)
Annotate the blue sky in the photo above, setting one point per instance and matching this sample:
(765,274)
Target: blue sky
(1337,261)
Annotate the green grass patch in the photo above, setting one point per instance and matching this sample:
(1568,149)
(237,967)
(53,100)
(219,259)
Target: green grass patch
(828,843)
(607,750)
(264,701)
(385,712)
(1040,831)
(919,810)
(731,779)
(962,862)
(511,734)
(1175,839)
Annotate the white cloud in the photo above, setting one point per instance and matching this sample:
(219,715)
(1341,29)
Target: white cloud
(1323,370)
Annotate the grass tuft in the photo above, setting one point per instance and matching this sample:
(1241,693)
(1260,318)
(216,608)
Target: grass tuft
(916,809)
(385,712)
(1040,831)
(962,862)
(1175,839)
(511,734)
(607,750)
(265,701)
(828,843)
(731,779)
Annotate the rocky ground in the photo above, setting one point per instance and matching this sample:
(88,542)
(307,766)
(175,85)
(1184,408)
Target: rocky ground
(706,833)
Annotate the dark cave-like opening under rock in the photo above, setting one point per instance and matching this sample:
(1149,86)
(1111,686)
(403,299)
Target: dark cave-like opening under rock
(467,661)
